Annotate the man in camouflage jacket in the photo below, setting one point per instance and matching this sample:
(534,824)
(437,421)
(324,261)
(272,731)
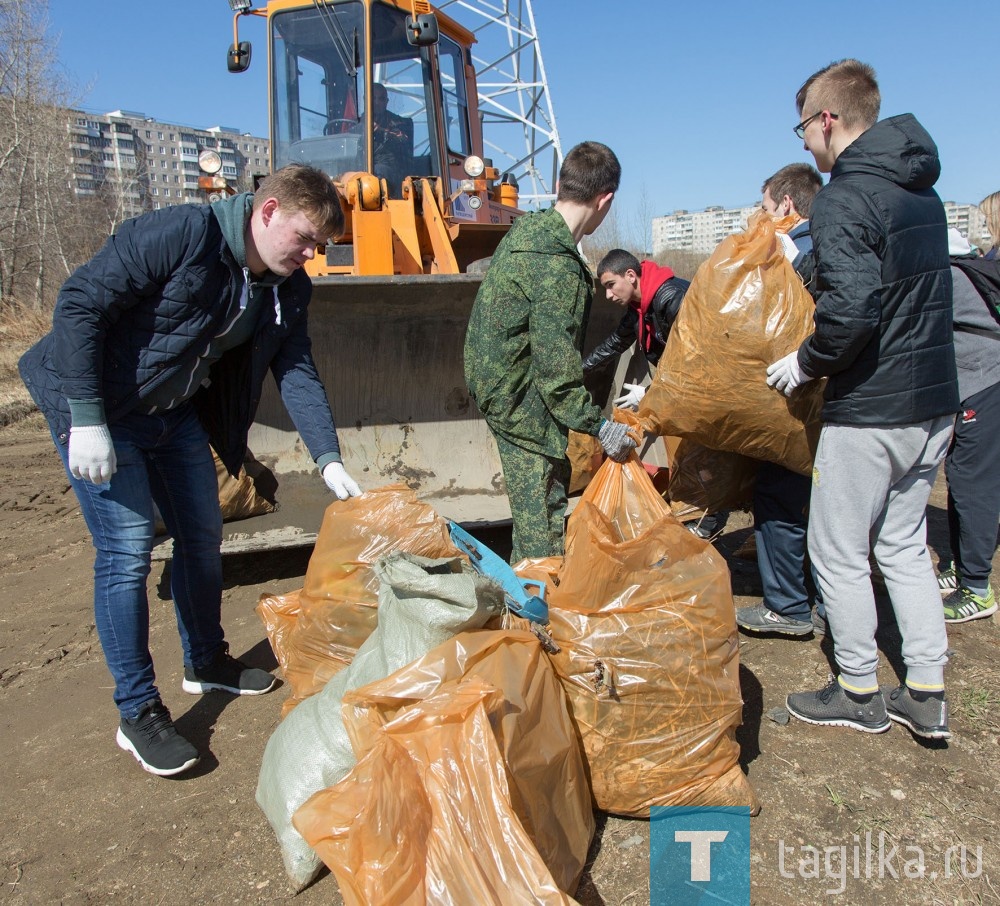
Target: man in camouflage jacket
(523,349)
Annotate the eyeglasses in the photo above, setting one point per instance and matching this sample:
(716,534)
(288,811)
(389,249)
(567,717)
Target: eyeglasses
(800,129)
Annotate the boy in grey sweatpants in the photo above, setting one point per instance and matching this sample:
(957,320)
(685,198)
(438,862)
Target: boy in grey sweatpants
(883,340)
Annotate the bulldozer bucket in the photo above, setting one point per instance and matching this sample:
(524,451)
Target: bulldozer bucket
(390,353)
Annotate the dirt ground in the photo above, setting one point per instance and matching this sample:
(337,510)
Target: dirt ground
(82,823)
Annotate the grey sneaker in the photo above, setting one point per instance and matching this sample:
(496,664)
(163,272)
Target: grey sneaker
(948,580)
(228,675)
(831,706)
(760,619)
(821,626)
(928,718)
(154,741)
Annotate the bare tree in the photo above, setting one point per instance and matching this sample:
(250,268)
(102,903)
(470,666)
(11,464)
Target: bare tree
(641,223)
(34,158)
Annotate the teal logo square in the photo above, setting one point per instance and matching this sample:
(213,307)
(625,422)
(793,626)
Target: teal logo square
(699,856)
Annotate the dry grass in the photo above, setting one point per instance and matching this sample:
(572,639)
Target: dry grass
(19,328)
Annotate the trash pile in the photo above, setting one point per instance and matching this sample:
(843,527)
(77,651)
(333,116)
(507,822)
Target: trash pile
(450,731)
(441,749)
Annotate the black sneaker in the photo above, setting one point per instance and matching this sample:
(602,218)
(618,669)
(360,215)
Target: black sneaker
(833,707)
(821,626)
(927,718)
(228,675)
(948,580)
(761,619)
(154,741)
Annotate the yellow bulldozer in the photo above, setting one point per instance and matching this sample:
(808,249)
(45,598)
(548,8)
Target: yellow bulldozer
(381,95)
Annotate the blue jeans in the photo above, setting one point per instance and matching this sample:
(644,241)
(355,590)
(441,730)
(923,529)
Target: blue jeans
(164,458)
(780,503)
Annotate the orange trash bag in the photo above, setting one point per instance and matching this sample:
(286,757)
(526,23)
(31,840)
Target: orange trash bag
(316,631)
(707,481)
(470,785)
(745,309)
(644,618)
(585,453)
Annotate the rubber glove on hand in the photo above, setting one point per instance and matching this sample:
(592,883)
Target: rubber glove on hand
(786,374)
(615,439)
(92,454)
(788,246)
(338,481)
(632,397)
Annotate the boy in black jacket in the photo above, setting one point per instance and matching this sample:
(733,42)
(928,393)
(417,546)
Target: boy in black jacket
(883,340)
(159,347)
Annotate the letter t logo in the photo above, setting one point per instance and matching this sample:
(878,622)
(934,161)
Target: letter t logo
(701,850)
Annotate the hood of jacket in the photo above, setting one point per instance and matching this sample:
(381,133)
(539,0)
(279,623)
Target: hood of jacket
(898,149)
(653,276)
(233,214)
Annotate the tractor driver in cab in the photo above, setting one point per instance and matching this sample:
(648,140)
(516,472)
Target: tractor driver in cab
(392,141)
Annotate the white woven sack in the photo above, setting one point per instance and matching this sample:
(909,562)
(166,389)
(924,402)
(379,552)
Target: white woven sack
(422,603)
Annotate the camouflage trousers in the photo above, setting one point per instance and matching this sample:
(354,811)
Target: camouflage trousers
(536,488)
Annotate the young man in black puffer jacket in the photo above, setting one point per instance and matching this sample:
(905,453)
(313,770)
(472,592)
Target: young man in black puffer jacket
(159,347)
(883,340)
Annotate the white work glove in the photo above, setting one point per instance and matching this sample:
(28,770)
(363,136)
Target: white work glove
(91,454)
(788,246)
(338,481)
(632,396)
(615,439)
(786,374)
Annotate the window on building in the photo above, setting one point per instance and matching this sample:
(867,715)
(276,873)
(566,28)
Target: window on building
(177,179)
(159,135)
(163,165)
(173,152)
(166,191)
(155,190)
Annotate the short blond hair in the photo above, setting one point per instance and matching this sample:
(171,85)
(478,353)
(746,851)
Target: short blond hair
(309,190)
(990,206)
(847,88)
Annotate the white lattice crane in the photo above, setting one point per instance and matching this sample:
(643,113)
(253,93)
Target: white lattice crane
(519,125)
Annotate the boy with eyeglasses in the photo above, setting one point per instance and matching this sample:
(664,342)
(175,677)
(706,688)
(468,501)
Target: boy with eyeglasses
(883,340)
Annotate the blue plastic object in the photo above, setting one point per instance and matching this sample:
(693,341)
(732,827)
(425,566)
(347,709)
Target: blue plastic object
(516,590)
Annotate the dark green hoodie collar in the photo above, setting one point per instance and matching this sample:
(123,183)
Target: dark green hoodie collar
(233,214)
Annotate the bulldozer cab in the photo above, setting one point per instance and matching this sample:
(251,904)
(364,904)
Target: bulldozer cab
(351,94)
(393,118)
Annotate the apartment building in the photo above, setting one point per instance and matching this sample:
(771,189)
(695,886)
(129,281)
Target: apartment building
(698,231)
(143,164)
(969,221)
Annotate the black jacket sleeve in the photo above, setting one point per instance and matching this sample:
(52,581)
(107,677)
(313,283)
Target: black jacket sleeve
(665,306)
(621,339)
